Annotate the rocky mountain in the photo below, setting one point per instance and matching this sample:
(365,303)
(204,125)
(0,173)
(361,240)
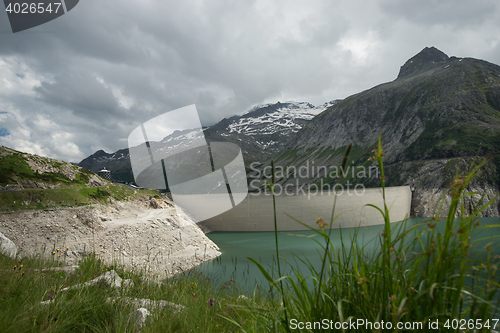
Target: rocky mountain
(260,132)
(434,118)
(266,129)
(118,162)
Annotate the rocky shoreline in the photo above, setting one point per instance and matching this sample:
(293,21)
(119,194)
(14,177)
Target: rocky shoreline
(146,235)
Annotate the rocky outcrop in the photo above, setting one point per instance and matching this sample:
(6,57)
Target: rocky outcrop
(436,201)
(7,247)
(431,181)
(138,318)
(11,187)
(110,279)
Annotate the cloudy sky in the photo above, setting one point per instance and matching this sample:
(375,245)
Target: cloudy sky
(84,81)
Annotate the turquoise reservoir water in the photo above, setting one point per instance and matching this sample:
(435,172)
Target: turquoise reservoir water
(299,245)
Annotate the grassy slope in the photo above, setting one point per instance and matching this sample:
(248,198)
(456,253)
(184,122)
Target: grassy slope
(15,169)
(11,201)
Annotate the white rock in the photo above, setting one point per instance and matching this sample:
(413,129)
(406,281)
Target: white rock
(150,304)
(139,317)
(110,278)
(66,269)
(7,247)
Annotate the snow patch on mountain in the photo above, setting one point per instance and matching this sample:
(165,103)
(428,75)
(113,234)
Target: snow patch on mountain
(264,129)
(288,116)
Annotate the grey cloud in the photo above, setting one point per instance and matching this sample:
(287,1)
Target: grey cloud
(460,14)
(225,57)
(80,92)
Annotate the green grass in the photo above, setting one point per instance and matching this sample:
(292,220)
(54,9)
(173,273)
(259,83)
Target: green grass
(14,167)
(11,201)
(87,310)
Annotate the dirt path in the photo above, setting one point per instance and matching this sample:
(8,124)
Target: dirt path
(157,241)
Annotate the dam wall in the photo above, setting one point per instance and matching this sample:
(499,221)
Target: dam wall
(255,213)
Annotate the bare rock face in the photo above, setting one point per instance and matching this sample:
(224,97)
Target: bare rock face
(427,59)
(160,203)
(431,180)
(156,204)
(427,202)
(95,181)
(161,242)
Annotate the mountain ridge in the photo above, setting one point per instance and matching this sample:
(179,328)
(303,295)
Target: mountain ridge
(261,131)
(423,98)
(436,116)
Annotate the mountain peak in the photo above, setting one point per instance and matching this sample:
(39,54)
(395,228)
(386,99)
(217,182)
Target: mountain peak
(428,58)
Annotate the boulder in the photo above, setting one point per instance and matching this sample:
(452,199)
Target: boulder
(111,279)
(139,317)
(7,247)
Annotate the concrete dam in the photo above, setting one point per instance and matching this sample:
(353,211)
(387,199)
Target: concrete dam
(255,212)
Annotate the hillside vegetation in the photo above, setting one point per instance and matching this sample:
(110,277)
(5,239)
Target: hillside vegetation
(20,170)
(33,182)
